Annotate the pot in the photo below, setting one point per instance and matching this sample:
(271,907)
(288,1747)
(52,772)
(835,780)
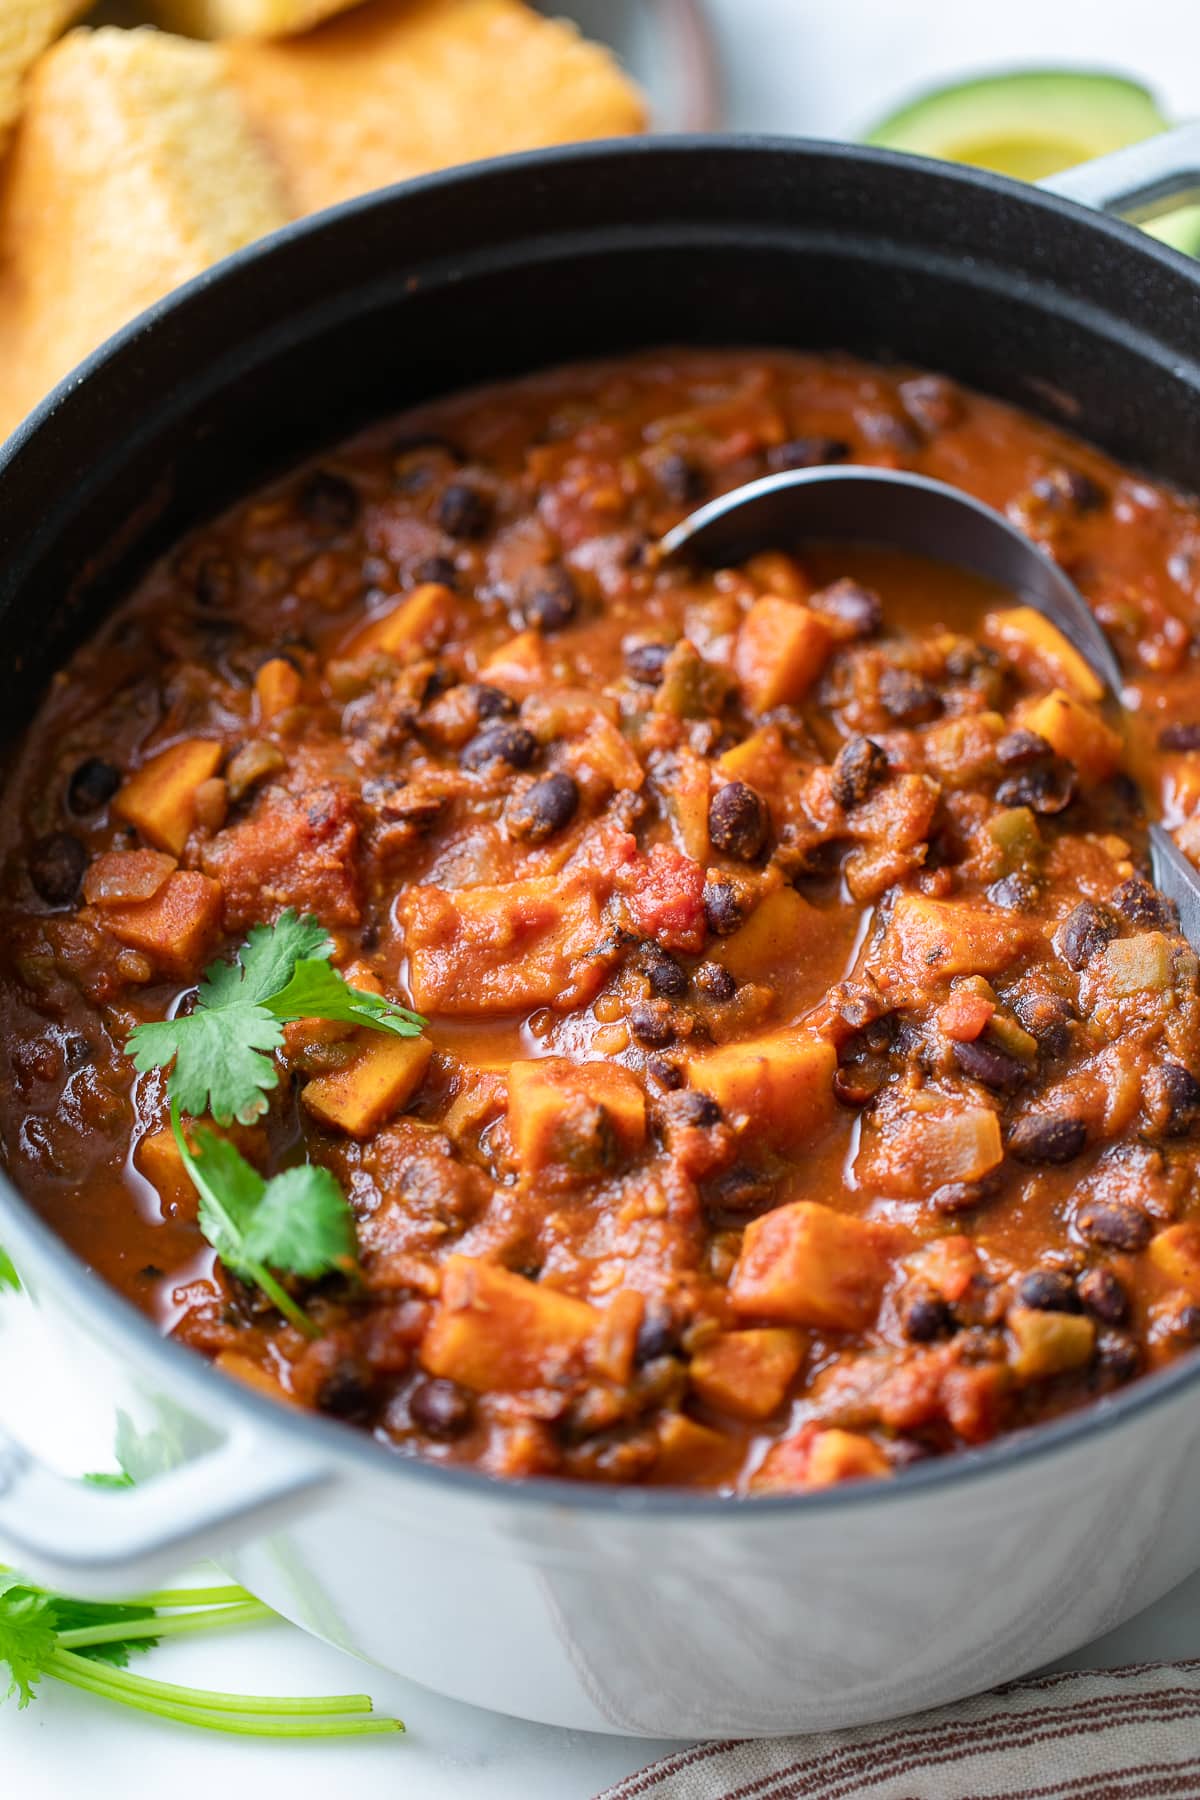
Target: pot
(628,1610)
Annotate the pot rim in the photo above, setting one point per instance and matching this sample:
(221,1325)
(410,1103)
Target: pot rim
(334,1442)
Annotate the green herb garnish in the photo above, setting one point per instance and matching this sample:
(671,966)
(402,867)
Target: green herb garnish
(220,1053)
(298,1221)
(87,1644)
(8,1275)
(221,1061)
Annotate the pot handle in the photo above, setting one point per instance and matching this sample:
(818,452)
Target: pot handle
(95,1542)
(1138,183)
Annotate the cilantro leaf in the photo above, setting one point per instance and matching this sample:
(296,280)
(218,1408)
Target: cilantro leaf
(299,1222)
(27,1637)
(221,1053)
(316,991)
(106,1478)
(79,1615)
(8,1275)
(303,1223)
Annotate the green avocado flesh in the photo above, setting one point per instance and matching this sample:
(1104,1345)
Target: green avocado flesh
(1032,124)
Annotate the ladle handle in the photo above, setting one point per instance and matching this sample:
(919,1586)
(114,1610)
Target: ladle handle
(1138,183)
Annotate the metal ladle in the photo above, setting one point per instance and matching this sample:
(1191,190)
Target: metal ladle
(914,513)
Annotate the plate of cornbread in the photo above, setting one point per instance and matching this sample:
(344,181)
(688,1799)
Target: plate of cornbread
(143,142)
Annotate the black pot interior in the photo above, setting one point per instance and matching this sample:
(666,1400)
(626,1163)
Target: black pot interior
(534,260)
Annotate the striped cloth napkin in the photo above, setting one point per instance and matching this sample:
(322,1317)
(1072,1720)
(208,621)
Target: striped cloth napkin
(1105,1734)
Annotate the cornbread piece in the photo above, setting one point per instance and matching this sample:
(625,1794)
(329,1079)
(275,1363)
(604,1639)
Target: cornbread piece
(27,27)
(242,18)
(399,87)
(132,170)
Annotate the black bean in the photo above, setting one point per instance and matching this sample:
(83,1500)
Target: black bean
(214,582)
(1114,1223)
(1047,789)
(1049,1290)
(463,510)
(988,1064)
(667,980)
(544,809)
(1018,749)
(924,1317)
(681,479)
(657,1335)
(695,1108)
(92,785)
(960,1196)
(722,908)
(1018,892)
(738,821)
(77,1051)
(328,500)
(856,607)
(1103,1294)
(859,766)
(1185,1323)
(1181,1092)
(738,1192)
(549,599)
(1118,1356)
(1069,490)
(1142,904)
(347,1391)
(807,453)
(1047,1138)
(907,698)
(715,981)
(856,1084)
(1047,1017)
(510,744)
(56,867)
(1085,930)
(491,702)
(651,1023)
(440,1408)
(645,662)
(668,1074)
(1179,737)
(435,568)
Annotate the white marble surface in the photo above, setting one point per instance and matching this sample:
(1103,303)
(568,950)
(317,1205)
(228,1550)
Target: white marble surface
(791,65)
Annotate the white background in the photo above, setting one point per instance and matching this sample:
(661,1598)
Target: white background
(822,67)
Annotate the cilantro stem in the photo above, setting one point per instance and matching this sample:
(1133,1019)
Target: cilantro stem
(208,1700)
(257,1273)
(197,1596)
(80,1673)
(173,1625)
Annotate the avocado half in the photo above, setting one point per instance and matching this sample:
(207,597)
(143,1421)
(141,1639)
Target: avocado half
(1032,123)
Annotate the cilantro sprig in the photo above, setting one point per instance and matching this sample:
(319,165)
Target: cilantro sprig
(299,1220)
(8,1275)
(221,1062)
(88,1644)
(221,1054)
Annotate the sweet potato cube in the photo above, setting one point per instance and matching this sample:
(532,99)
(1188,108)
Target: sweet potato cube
(747,1373)
(414,625)
(158,1161)
(518,667)
(781,649)
(176,929)
(817,1458)
(573,1118)
(805,1264)
(777,933)
(934,940)
(1048,1343)
(1028,639)
(1076,732)
(781,1083)
(160,799)
(1175,1253)
(500,949)
(276,687)
(382,1076)
(497,1332)
(688,1452)
(758,759)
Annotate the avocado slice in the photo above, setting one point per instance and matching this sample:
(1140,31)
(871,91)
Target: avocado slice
(1032,123)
